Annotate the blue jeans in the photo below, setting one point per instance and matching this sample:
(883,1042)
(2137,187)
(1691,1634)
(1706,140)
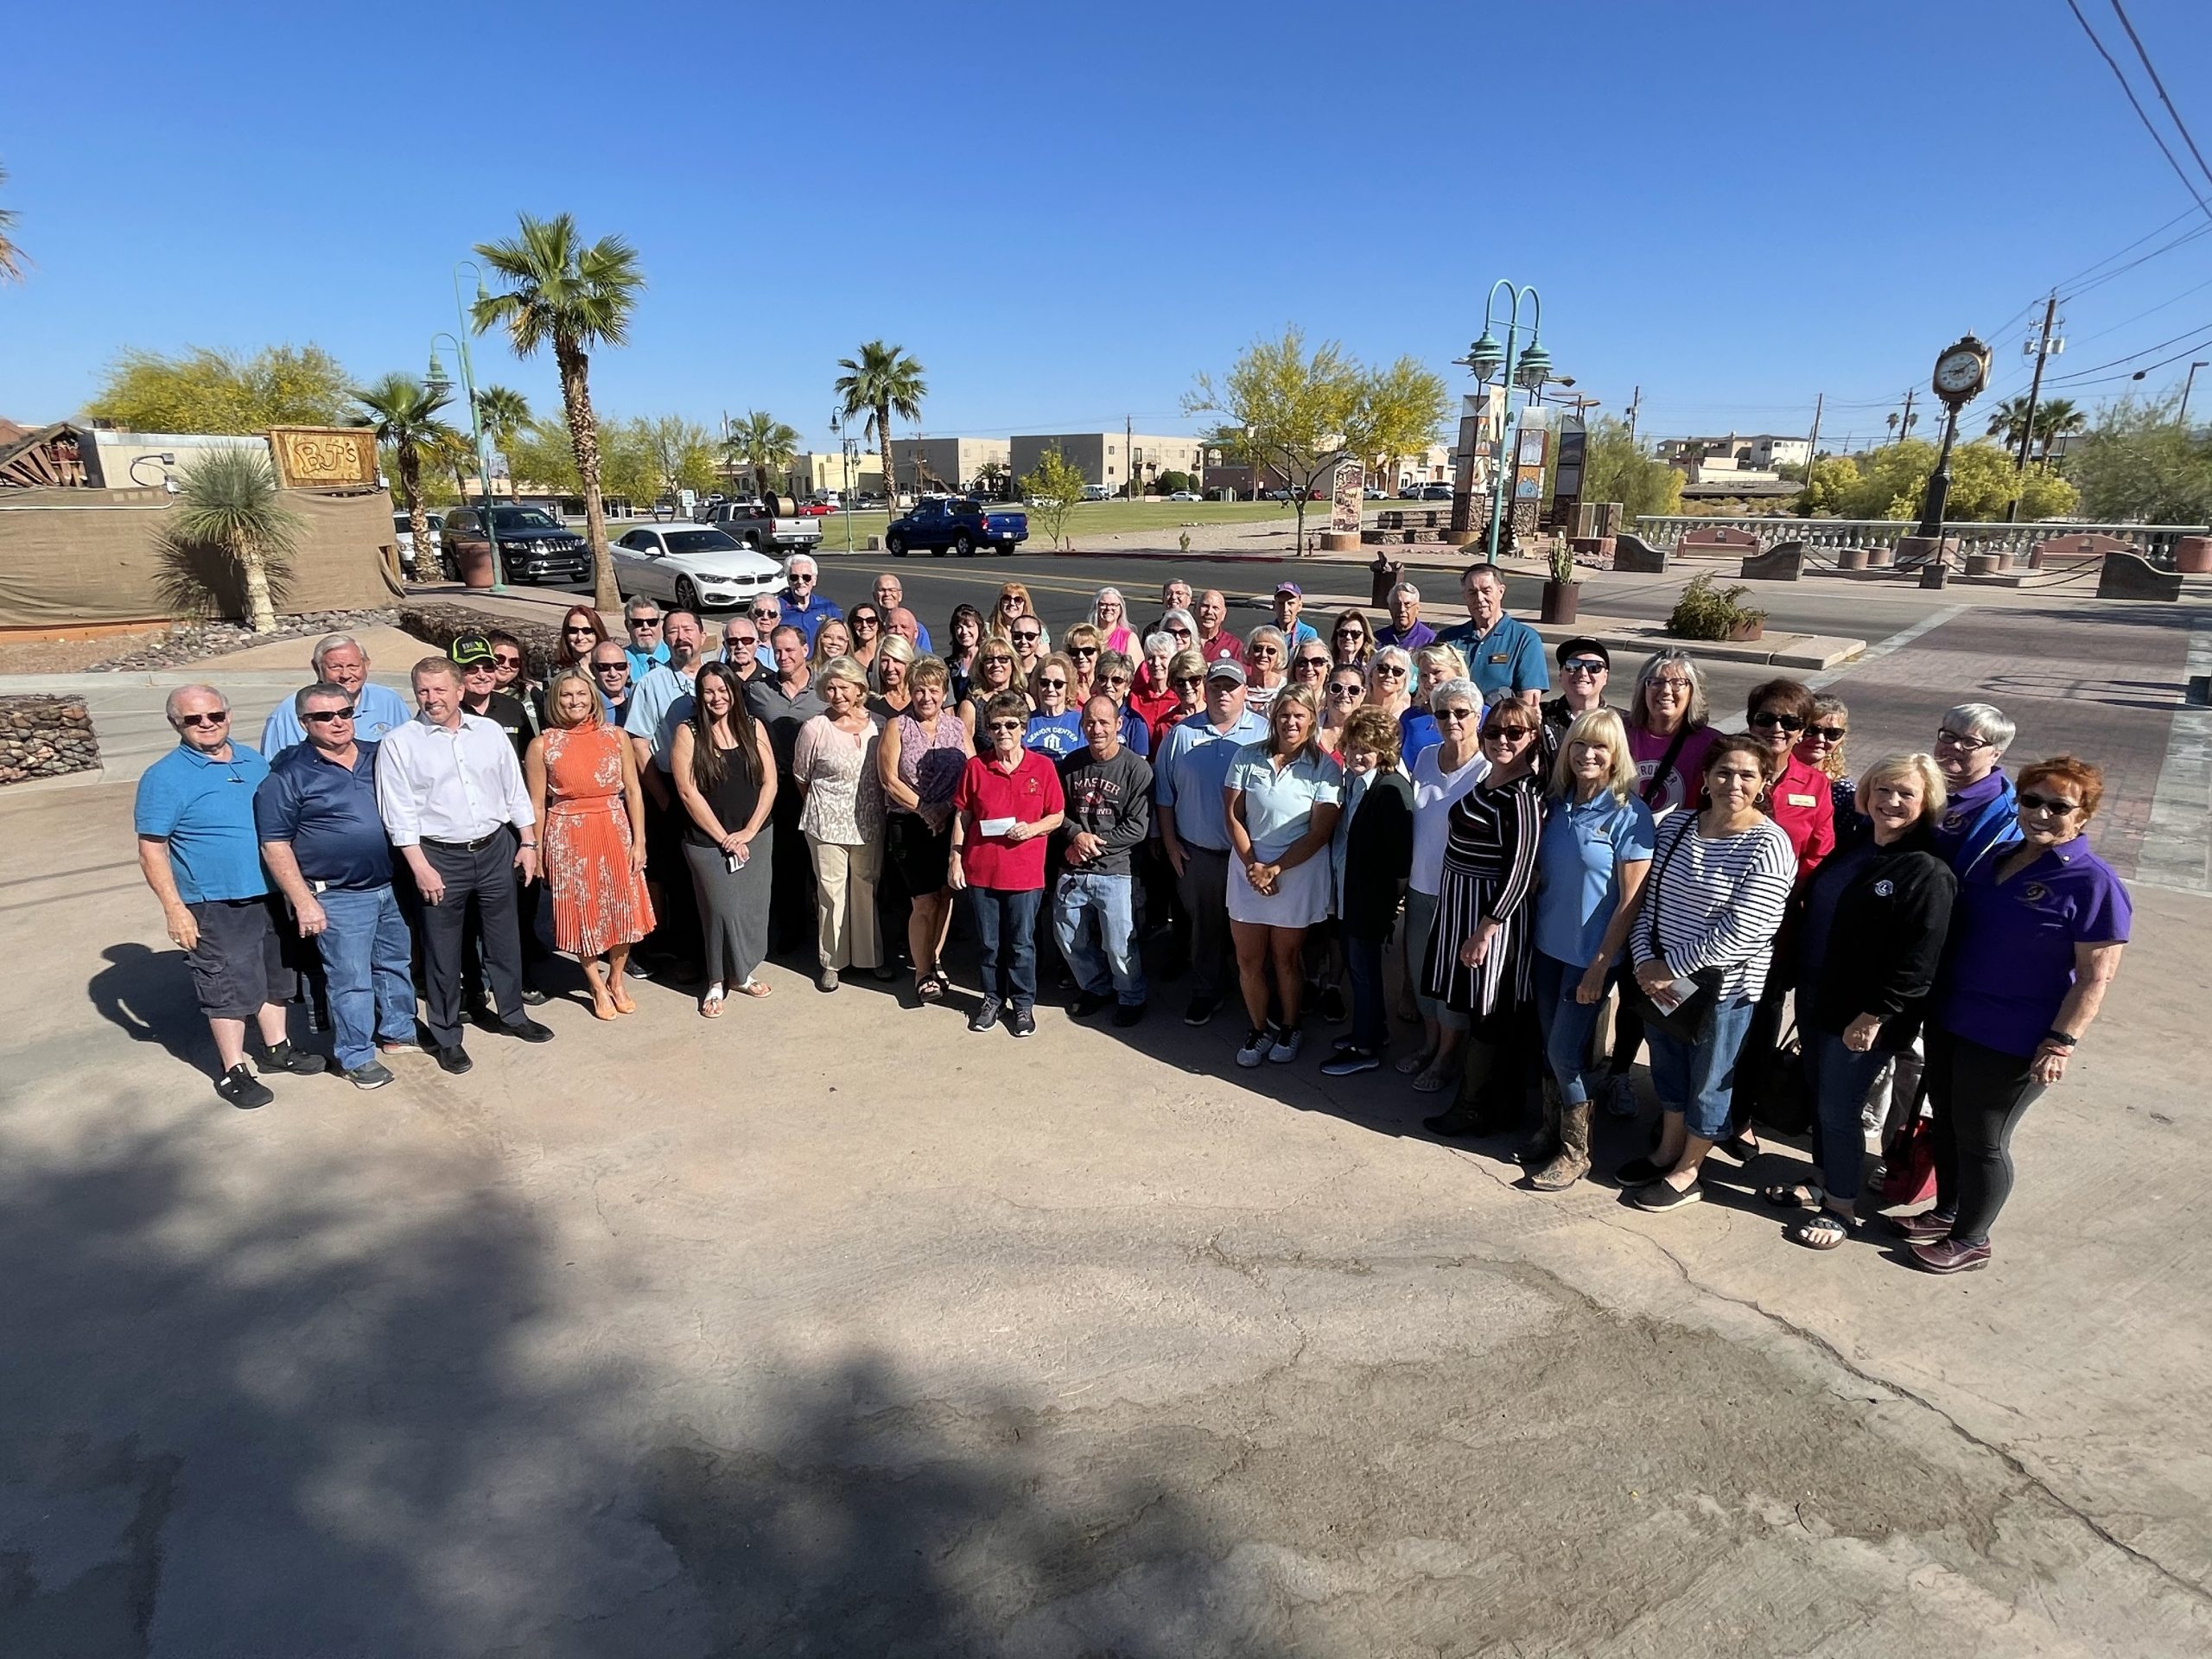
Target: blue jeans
(1006,927)
(364,954)
(1370,1029)
(1841,1079)
(1107,954)
(1566,1025)
(1696,1081)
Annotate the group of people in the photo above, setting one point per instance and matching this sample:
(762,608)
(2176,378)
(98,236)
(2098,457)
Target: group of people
(1297,813)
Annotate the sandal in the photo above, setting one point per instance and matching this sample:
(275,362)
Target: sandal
(710,1005)
(754,987)
(1429,1083)
(1801,1195)
(620,999)
(1412,1063)
(931,987)
(1823,1231)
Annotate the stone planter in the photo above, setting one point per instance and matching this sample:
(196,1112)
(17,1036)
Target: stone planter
(1560,601)
(475,567)
(1982,564)
(1339,541)
(1881,558)
(1851,558)
(1744,633)
(2193,556)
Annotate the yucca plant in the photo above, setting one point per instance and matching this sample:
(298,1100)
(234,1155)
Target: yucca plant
(229,505)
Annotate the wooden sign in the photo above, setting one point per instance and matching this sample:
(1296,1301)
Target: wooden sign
(324,457)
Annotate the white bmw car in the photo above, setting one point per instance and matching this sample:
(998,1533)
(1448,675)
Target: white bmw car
(696,566)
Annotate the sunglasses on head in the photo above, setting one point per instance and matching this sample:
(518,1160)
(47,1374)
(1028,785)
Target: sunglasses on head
(320,715)
(1767,721)
(2032,801)
(202,720)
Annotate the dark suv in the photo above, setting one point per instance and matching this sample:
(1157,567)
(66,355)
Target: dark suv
(534,546)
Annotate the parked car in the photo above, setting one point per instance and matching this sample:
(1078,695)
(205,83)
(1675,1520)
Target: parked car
(1436,491)
(403,535)
(1186,495)
(956,525)
(765,524)
(1373,494)
(695,566)
(1278,495)
(815,510)
(534,546)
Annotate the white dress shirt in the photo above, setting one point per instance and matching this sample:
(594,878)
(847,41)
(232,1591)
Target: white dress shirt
(437,784)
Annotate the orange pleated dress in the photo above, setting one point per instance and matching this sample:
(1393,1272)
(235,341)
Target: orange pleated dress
(599,901)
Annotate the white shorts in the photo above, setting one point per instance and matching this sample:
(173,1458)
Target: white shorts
(1300,898)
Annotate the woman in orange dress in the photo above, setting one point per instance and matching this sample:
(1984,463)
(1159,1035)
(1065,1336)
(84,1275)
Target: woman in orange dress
(591,814)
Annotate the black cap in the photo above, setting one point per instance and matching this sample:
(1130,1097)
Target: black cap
(1582,645)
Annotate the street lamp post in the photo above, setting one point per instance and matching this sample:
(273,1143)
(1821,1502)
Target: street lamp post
(437,380)
(845,457)
(1528,368)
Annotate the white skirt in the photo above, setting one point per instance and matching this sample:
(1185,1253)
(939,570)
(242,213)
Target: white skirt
(1300,898)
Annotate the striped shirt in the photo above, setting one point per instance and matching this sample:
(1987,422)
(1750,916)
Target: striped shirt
(1716,903)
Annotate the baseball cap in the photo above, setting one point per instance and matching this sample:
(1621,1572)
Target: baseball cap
(1226,668)
(1291,587)
(468,648)
(1582,645)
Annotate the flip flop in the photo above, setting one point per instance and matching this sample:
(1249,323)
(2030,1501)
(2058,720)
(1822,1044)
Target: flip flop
(754,987)
(1823,1231)
(710,1008)
(1799,1195)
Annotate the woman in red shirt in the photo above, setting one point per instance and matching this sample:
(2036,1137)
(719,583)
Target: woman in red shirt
(1004,811)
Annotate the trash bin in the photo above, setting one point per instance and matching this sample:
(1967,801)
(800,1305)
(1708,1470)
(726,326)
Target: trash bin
(1388,573)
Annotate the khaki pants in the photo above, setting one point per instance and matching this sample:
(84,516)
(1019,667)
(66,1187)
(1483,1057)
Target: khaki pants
(844,905)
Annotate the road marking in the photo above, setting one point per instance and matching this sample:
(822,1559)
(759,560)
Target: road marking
(2177,849)
(1873,653)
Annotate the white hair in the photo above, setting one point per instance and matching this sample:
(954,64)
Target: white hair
(793,564)
(168,705)
(330,642)
(1404,590)
(1983,720)
(1461,690)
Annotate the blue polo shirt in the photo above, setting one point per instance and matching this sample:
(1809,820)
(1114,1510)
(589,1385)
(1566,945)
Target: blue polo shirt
(1194,763)
(2012,944)
(377,710)
(1279,801)
(661,702)
(643,662)
(203,808)
(809,620)
(1509,657)
(328,813)
(1578,862)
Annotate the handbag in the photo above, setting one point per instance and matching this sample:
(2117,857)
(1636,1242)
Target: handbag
(1782,1094)
(1690,1021)
(1909,1167)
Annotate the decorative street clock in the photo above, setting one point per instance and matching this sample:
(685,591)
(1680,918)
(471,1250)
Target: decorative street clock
(1962,371)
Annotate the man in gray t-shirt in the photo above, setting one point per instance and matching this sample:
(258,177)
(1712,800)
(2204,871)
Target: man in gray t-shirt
(1109,790)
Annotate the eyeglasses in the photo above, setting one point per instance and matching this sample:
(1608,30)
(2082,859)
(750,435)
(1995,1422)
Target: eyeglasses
(1767,721)
(1082,651)
(1454,715)
(589,634)
(1020,639)
(1006,725)
(1583,665)
(1670,687)
(1828,733)
(2032,801)
(1393,670)
(1948,738)
(1053,685)
(202,720)
(320,715)
(1187,679)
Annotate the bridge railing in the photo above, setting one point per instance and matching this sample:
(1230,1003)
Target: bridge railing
(2155,541)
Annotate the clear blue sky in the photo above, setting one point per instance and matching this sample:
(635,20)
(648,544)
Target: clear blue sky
(1064,214)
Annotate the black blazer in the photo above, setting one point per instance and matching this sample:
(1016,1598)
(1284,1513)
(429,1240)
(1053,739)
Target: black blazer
(1886,939)
(1378,855)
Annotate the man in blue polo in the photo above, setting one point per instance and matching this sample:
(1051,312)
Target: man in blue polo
(323,840)
(338,659)
(1186,784)
(804,605)
(1503,656)
(199,853)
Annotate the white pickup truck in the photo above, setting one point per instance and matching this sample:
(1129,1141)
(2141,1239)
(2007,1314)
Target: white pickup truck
(772,525)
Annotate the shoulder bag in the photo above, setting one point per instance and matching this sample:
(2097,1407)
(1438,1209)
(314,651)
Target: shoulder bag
(1689,1021)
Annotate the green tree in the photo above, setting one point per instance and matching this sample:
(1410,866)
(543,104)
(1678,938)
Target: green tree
(882,382)
(11,256)
(1053,493)
(572,296)
(543,453)
(1615,468)
(763,443)
(1827,482)
(404,413)
(2139,465)
(683,453)
(1893,482)
(207,391)
(2054,417)
(992,479)
(228,504)
(1401,411)
(630,462)
(1285,408)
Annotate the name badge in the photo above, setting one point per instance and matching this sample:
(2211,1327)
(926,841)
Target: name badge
(1799,800)
(1501,656)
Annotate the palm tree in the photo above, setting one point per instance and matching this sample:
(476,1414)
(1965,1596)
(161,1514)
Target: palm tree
(11,256)
(2055,420)
(230,502)
(504,412)
(1892,419)
(403,412)
(762,443)
(572,296)
(2008,420)
(883,383)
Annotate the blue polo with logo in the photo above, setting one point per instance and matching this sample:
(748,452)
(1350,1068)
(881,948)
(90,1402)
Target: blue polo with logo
(328,813)
(203,808)
(2012,944)
(1509,657)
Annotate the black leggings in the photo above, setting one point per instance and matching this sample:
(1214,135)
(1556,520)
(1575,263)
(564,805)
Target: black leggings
(1977,1096)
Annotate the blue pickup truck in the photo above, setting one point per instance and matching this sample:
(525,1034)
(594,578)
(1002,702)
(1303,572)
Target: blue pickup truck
(956,525)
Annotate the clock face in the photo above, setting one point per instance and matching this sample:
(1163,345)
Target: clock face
(1958,371)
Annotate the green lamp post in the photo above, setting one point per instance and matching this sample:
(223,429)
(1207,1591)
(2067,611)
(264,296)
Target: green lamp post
(1528,367)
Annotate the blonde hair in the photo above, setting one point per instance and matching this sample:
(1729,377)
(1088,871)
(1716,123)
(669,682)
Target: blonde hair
(1832,765)
(1597,726)
(847,669)
(1920,767)
(927,670)
(1429,656)
(894,648)
(1296,697)
(594,716)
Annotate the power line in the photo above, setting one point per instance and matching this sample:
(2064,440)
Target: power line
(2159,86)
(2136,104)
(2081,374)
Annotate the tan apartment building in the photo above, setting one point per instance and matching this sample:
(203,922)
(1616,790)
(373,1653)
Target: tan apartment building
(814,471)
(1112,459)
(945,463)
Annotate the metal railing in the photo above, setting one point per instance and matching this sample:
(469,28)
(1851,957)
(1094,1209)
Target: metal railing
(2155,541)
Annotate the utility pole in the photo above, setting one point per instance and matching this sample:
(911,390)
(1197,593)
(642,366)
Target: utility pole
(2035,395)
(1634,404)
(1813,444)
(1904,421)
(1128,441)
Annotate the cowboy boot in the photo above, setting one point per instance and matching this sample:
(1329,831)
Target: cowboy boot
(1542,1147)
(1573,1161)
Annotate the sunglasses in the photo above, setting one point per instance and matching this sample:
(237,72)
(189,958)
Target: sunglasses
(764,615)
(747,640)
(864,622)
(802,581)
(201,720)
(1117,679)
(1264,651)
(1390,669)
(1346,691)
(1179,632)
(587,632)
(1026,638)
(1455,715)
(1188,679)
(644,622)
(2032,801)
(995,662)
(1316,664)
(506,662)
(1767,721)
(610,668)
(1951,739)
(1006,725)
(1583,665)
(1509,734)
(320,716)
(1828,733)
(1082,651)
(1053,685)
(470,670)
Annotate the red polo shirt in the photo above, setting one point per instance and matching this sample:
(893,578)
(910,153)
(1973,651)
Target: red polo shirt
(1803,805)
(1223,647)
(1027,793)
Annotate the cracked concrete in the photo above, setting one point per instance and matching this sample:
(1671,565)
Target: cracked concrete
(830,1328)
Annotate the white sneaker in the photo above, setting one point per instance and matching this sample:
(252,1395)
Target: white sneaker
(1286,1046)
(1257,1042)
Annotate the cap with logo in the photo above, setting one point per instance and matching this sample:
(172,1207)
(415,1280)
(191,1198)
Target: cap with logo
(469,650)
(1226,668)
(1290,587)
